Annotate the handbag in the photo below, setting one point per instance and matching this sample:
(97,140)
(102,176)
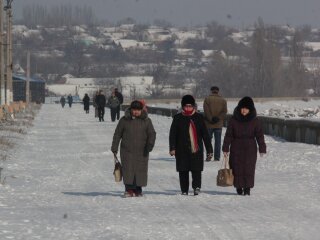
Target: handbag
(225,176)
(117,172)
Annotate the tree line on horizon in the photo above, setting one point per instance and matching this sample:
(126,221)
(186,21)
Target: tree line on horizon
(258,69)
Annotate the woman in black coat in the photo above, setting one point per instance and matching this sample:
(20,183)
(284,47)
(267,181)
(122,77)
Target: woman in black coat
(187,133)
(86,102)
(243,134)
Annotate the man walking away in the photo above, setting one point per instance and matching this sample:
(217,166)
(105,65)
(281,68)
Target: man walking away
(120,98)
(70,100)
(215,111)
(101,104)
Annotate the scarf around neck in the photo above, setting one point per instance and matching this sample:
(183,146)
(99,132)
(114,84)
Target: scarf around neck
(192,131)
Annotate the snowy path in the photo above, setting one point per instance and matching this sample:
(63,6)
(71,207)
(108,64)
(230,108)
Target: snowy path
(60,186)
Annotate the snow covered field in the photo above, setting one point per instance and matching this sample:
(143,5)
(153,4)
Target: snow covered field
(59,186)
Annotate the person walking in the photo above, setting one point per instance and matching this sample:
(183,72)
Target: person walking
(95,105)
(86,103)
(101,104)
(62,101)
(187,135)
(137,135)
(113,104)
(244,133)
(70,100)
(120,97)
(215,111)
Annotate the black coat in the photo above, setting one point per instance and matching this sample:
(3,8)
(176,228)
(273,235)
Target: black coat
(119,96)
(179,140)
(86,102)
(101,100)
(241,139)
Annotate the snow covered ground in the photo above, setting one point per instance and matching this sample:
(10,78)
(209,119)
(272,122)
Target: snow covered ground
(59,185)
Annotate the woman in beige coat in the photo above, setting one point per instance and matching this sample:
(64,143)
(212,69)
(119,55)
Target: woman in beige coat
(137,136)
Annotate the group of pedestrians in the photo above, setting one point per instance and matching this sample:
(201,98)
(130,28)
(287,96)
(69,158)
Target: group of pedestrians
(114,102)
(190,133)
(63,101)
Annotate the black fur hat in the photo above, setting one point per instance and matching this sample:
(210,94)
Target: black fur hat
(136,105)
(188,99)
(246,102)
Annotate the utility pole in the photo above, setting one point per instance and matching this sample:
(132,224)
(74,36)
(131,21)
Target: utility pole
(9,68)
(28,78)
(2,80)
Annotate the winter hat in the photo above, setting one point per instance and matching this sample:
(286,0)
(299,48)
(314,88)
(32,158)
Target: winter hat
(188,99)
(214,89)
(136,105)
(246,102)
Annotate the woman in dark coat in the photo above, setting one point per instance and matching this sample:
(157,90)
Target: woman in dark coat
(86,102)
(187,133)
(137,136)
(244,133)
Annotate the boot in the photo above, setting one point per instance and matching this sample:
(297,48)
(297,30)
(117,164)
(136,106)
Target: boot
(247,191)
(196,191)
(239,191)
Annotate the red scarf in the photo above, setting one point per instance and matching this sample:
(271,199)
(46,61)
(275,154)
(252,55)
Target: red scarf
(192,131)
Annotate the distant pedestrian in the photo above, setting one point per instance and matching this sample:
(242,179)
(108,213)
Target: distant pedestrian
(137,136)
(215,111)
(244,133)
(187,135)
(86,103)
(62,101)
(101,104)
(113,104)
(120,97)
(70,100)
(95,105)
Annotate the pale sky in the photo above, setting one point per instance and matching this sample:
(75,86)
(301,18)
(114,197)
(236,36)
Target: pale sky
(241,13)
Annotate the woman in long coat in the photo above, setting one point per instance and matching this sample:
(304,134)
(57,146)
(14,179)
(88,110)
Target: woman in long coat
(187,133)
(86,102)
(137,136)
(244,133)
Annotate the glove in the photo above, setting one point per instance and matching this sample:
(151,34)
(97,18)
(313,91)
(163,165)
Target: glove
(214,120)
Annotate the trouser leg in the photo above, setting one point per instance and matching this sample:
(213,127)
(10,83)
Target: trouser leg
(196,179)
(184,181)
(217,143)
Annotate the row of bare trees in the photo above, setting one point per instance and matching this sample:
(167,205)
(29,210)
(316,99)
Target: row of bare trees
(56,16)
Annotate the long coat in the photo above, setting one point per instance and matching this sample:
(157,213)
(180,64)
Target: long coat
(241,139)
(86,102)
(137,137)
(214,106)
(179,140)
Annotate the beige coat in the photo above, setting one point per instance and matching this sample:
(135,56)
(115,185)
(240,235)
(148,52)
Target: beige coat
(214,106)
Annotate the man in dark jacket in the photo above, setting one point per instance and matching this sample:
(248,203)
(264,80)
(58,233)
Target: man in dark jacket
(137,136)
(215,110)
(70,100)
(86,103)
(101,104)
(120,98)
(187,135)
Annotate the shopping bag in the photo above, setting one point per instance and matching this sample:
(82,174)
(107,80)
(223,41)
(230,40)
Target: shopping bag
(117,172)
(225,176)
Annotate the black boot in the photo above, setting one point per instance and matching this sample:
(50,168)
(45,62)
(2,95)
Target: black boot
(247,191)
(239,191)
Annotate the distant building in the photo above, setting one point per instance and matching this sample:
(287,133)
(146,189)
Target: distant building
(37,89)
